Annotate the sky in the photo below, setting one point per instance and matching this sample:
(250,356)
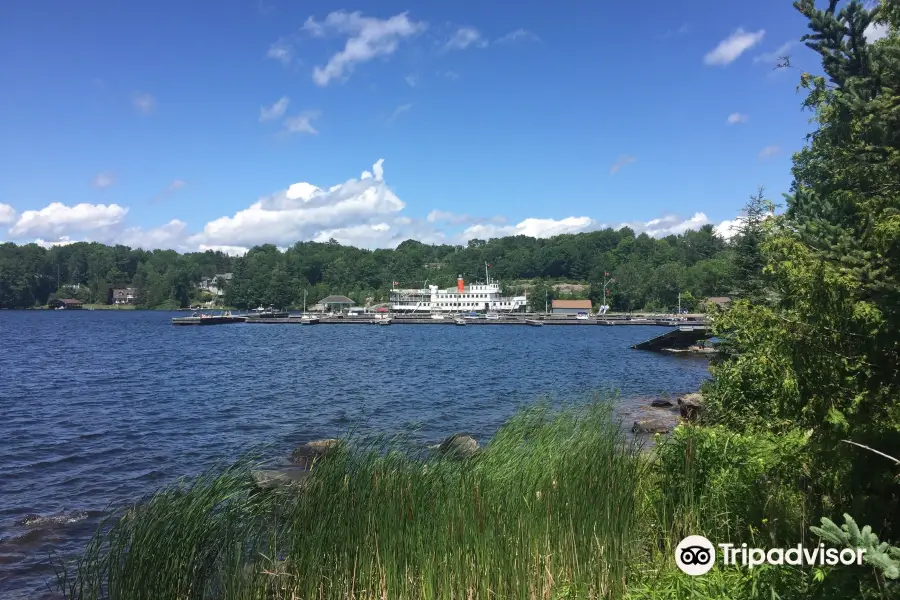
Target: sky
(223,124)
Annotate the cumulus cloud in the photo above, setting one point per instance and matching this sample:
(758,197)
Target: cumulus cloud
(103,180)
(735,118)
(776,55)
(465,37)
(728,228)
(57,219)
(62,241)
(769,151)
(302,123)
(276,111)
(668,225)
(519,35)
(367,38)
(302,212)
(540,228)
(8,214)
(144,103)
(733,46)
(282,51)
(169,236)
(622,161)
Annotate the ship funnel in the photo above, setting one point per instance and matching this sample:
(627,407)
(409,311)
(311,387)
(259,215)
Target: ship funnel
(460,285)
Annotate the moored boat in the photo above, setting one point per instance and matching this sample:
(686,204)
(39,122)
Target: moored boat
(534,322)
(459,321)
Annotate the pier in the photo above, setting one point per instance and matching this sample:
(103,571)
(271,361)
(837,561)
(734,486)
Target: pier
(680,338)
(519,319)
(207,320)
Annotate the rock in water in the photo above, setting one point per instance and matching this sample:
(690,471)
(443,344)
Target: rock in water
(661,404)
(305,455)
(459,445)
(275,478)
(690,406)
(651,426)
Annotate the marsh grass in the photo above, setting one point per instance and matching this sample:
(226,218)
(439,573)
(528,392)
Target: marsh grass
(547,509)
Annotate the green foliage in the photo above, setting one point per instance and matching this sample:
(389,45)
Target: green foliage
(820,353)
(880,555)
(731,486)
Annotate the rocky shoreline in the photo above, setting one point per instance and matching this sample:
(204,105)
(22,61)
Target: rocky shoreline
(303,459)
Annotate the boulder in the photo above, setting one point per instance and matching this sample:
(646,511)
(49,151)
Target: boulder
(661,404)
(306,454)
(268,479)
(690,406)
(651,426)
(458,445)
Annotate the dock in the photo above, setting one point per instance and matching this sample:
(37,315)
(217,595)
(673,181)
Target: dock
(207,320)
(684,336)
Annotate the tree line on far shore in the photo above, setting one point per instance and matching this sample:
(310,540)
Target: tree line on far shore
(649,273)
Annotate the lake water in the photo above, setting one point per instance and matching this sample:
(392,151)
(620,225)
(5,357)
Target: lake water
(98,408)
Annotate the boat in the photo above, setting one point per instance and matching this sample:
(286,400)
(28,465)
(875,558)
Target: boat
(384,321)
(582,316)
(534,322)
(309,320)
(268,313)
(207,319)
(492,316)
(459,321)
(437,317)
(481,297)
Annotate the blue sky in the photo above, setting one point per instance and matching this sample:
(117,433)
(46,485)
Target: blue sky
(185,124)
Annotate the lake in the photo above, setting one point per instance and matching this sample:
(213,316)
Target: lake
(98,408)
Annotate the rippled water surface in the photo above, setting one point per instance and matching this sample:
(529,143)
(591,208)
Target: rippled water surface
(98,408)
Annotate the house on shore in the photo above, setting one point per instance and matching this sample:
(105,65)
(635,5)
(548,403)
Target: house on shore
(122,295)
(571,307)
(66,303)
(216,284)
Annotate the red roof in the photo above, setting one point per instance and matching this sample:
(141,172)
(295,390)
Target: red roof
(582,304)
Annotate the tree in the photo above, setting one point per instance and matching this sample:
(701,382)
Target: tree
(822,354)
(748,255)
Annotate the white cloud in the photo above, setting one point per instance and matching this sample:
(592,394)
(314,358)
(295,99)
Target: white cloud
(304,211)
(229,250)
(464,38)
(276,111)
(776,55)
(62,241)
(57,219)
(411,80)
(735,118)
(622,161)
(519,35)
(875,32)
(399,111)
(104,180)
(733,46)
(8,214)
(368,38)
(282,51)
(668,225)
(169,236)
(176,185)
(144,103)
(541,228)
(769,151)
(728,228)
(302,123)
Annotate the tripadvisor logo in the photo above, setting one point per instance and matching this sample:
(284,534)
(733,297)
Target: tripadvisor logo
(696,555)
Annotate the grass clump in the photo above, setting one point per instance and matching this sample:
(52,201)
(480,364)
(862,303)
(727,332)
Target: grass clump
(547,509)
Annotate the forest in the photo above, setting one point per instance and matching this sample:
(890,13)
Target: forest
(649,273)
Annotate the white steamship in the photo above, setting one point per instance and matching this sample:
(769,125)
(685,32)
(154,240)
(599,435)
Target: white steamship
(477,297)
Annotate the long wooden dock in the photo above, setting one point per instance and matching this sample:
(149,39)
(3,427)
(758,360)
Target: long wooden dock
(408,320)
